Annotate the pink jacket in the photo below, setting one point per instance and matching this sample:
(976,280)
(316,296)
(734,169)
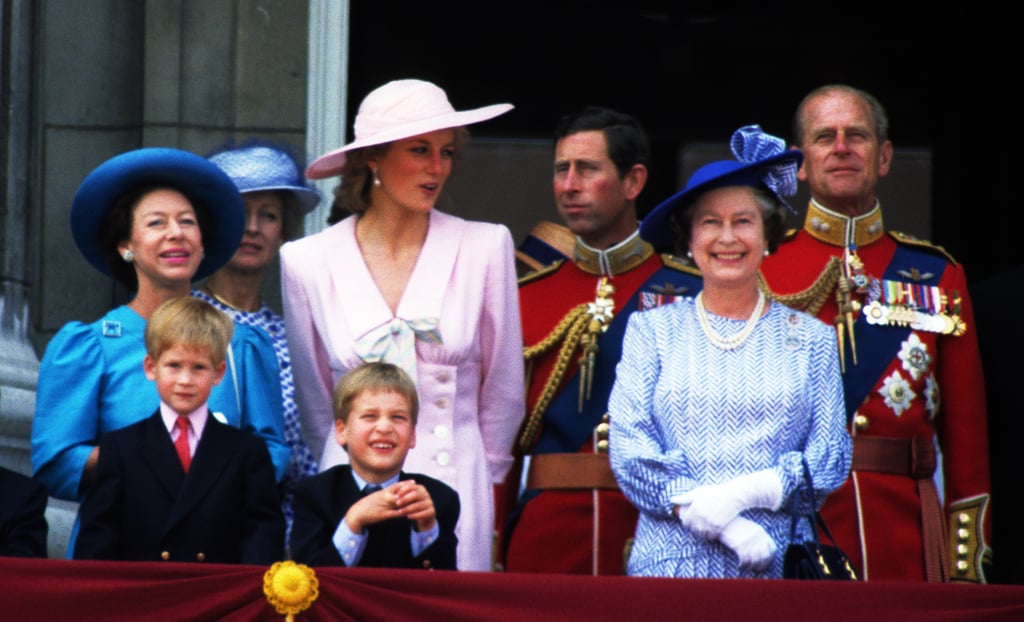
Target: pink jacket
(470,385)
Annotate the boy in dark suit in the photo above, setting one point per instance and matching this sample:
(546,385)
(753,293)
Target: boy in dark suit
(181,485)
(404,520)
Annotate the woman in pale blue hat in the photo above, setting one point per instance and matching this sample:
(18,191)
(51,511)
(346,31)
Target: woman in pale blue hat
(155,219)
(276,199)
(721,399)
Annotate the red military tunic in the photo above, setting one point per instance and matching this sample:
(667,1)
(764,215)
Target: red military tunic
(909,386)
(571,517)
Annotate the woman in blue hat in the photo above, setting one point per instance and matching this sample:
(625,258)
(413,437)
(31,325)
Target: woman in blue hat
(720,399)
(155,219)
(276,199)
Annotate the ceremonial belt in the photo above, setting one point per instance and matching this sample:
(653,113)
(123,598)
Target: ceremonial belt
(911,457)
(570,472)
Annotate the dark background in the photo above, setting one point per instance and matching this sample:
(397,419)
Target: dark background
(696,71)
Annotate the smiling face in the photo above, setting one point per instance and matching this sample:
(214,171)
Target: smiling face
(413,171)
(843,158)
(165,240)
(264,220)
(593,200)
(378,433)
(184,376)
(727,236)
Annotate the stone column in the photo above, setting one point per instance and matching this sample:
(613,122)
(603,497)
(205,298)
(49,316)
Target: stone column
(327,89)
(18,362)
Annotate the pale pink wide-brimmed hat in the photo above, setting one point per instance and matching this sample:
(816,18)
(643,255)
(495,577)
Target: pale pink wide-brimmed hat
(397,110)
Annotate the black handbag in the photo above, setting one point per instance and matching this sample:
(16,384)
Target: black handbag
(810,559)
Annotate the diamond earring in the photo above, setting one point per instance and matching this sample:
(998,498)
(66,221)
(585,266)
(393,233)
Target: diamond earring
(128,255)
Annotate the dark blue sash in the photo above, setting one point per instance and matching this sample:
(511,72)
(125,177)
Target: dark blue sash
(877,345)
(565,428)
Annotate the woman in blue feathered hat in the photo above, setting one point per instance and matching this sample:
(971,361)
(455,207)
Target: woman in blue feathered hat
(154,219)
(276,199)
(719,399)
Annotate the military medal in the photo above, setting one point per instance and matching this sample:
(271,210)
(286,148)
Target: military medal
(920,307)
(600,314)
(914,356)
(853,274)
(897,393)
(932,399)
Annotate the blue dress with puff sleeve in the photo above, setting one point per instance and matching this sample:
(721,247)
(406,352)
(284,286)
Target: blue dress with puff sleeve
(91,381)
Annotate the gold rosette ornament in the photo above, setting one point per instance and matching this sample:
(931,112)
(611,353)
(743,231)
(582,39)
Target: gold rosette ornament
(290,588)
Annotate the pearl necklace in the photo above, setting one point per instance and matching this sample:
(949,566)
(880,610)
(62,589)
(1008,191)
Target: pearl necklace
(734,341)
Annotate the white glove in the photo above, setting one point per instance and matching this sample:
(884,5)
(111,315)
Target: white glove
(750,542)
(706,510)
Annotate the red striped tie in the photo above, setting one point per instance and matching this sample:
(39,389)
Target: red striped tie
(181,443)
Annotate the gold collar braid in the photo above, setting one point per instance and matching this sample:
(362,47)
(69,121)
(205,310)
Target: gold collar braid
(620,258)
(840,230)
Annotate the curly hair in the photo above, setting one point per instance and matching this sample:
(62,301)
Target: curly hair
(773,216)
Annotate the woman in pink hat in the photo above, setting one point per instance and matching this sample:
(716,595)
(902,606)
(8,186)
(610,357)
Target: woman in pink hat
(403,282)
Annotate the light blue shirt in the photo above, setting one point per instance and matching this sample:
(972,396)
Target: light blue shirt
(351,545)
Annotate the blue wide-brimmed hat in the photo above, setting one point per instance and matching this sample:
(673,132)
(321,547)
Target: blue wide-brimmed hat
(194,176)
(762,161)
(257,167)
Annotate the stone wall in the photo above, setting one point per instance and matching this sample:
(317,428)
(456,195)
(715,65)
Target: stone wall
(90,80)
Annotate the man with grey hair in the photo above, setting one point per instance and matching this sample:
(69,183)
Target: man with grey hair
(905,329)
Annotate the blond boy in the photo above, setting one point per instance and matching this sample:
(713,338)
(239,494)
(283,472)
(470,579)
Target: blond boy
(181,485)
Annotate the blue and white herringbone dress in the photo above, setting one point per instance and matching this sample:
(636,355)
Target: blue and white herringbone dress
(685,413)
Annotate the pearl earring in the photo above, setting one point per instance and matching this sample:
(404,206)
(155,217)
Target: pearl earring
(128,255)
(689,254)
(766,253)
(376,179)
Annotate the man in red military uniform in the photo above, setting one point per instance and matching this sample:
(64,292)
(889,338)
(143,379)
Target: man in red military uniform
(911,369)
(565,512)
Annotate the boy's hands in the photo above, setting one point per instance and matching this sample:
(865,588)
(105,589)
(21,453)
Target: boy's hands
(414,502)
(404,498)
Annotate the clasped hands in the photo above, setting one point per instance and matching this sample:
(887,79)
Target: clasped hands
(713,512)
(404,498)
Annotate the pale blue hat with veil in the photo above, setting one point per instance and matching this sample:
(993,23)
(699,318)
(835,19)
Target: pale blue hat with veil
(259,166)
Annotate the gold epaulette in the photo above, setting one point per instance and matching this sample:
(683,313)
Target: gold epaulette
(566,334)
(813,298)
(967,547)
(909,240)
(541,272)
(678,263)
